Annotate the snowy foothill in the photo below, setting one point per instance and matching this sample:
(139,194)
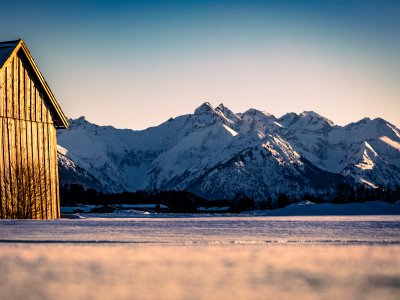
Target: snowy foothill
(308,208)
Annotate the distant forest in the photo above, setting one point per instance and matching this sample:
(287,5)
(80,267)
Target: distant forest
(187,202)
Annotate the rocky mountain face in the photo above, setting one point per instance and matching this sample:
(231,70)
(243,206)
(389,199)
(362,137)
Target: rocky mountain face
(217,153)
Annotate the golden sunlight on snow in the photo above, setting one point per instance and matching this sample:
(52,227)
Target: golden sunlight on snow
(390,142)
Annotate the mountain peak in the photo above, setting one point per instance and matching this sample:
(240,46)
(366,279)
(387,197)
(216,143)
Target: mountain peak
(205,108)
(314,117)
(262,117)
(288,119)
(256,112)
(221,106)
(79,121)
(227,113)
(310,114)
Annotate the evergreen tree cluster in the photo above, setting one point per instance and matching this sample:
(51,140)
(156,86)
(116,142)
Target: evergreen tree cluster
(187,202)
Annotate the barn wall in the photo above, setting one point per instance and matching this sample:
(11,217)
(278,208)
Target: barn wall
(28,153)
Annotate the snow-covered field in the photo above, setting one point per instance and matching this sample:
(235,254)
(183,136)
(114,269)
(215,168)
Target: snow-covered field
(307,208)
(201,257)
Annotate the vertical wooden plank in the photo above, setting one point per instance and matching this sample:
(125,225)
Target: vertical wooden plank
(10,162)
(56,179)
(27,96)
(38,103)
(9,99)
(46,179)
(51,173)
(17,165)
(49,117)
(21,89)
(2,103)
(35,170)
(9,91)
(25,168)
(6,160)
(13,163)
(2,193)
(51,177)
(30,164)
(15,89)
(46,170)
(53,168)
(38,167)
(33,101)
(41,171)
(44,109)
(4,170)
(2,93)
(4,145)
(28,143)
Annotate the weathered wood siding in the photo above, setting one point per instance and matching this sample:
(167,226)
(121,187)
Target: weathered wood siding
(28,148)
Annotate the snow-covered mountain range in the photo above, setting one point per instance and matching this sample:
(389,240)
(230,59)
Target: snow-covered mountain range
(217,153)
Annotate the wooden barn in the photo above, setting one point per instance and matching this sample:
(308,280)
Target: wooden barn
(29,117)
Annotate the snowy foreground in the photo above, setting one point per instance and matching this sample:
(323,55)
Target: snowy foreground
(201,257)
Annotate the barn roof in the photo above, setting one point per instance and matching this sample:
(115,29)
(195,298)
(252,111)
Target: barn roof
(11,48)
(5,50)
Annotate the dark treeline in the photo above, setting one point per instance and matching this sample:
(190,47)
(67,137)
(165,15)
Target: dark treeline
(345,193)
(186,202)
(177,201)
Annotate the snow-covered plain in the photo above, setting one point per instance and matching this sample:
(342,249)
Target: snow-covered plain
(308,208)
(201,257)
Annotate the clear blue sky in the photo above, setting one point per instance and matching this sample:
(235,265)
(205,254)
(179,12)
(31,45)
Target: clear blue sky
(134,64)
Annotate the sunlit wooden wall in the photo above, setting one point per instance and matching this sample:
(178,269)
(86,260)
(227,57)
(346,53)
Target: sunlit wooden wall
(28,148)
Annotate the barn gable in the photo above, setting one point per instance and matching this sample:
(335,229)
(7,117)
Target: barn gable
(16,60)
(29,116)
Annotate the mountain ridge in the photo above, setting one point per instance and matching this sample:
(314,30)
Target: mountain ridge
(217,153)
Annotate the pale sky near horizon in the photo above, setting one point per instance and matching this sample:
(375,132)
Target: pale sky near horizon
(135,64)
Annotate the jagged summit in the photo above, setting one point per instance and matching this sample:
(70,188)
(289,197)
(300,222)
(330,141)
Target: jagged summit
(230,115)
(256,112)
(288,119)
(81,120)
(314,117)
(205,108)
(221,107)
(221,112)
